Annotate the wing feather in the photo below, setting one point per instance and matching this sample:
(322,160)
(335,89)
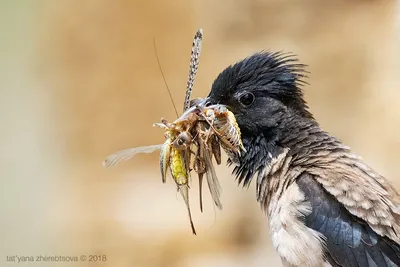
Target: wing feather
(350,241)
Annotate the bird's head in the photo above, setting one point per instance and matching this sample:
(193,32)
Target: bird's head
(260,90)
(264,92)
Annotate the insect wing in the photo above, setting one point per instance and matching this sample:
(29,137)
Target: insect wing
(216,149)
(194,66)
(127,154)
(212,179)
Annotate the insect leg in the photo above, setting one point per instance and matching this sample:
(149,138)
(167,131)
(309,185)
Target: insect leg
(200,172)
(184,190)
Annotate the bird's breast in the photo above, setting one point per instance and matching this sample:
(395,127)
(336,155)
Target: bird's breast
(295,243)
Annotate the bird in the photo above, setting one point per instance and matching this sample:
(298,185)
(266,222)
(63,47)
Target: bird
(325,206)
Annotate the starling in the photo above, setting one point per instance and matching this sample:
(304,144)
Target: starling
(325,206)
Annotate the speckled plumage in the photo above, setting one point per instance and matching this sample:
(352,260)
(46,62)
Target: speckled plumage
(325,206)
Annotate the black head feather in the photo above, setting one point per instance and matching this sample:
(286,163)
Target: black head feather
(278,75)
(264,92)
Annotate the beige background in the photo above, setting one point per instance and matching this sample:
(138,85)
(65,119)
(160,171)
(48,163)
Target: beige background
(79,80)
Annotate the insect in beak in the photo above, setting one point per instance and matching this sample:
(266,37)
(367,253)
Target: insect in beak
(192,140)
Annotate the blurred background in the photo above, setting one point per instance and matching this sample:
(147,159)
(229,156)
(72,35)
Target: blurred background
(79,80)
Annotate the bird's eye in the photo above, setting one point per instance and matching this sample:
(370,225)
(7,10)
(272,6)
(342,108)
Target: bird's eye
(246,99)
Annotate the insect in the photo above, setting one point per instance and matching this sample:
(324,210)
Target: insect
(226,128)
(171,156)
(192,140)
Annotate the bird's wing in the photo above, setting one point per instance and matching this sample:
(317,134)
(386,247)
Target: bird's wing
(350,241)
(363,192)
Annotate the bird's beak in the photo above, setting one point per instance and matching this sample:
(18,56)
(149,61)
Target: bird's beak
(198,102)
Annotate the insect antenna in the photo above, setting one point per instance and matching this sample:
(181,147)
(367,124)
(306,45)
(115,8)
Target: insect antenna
(162,74)
(194,66)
